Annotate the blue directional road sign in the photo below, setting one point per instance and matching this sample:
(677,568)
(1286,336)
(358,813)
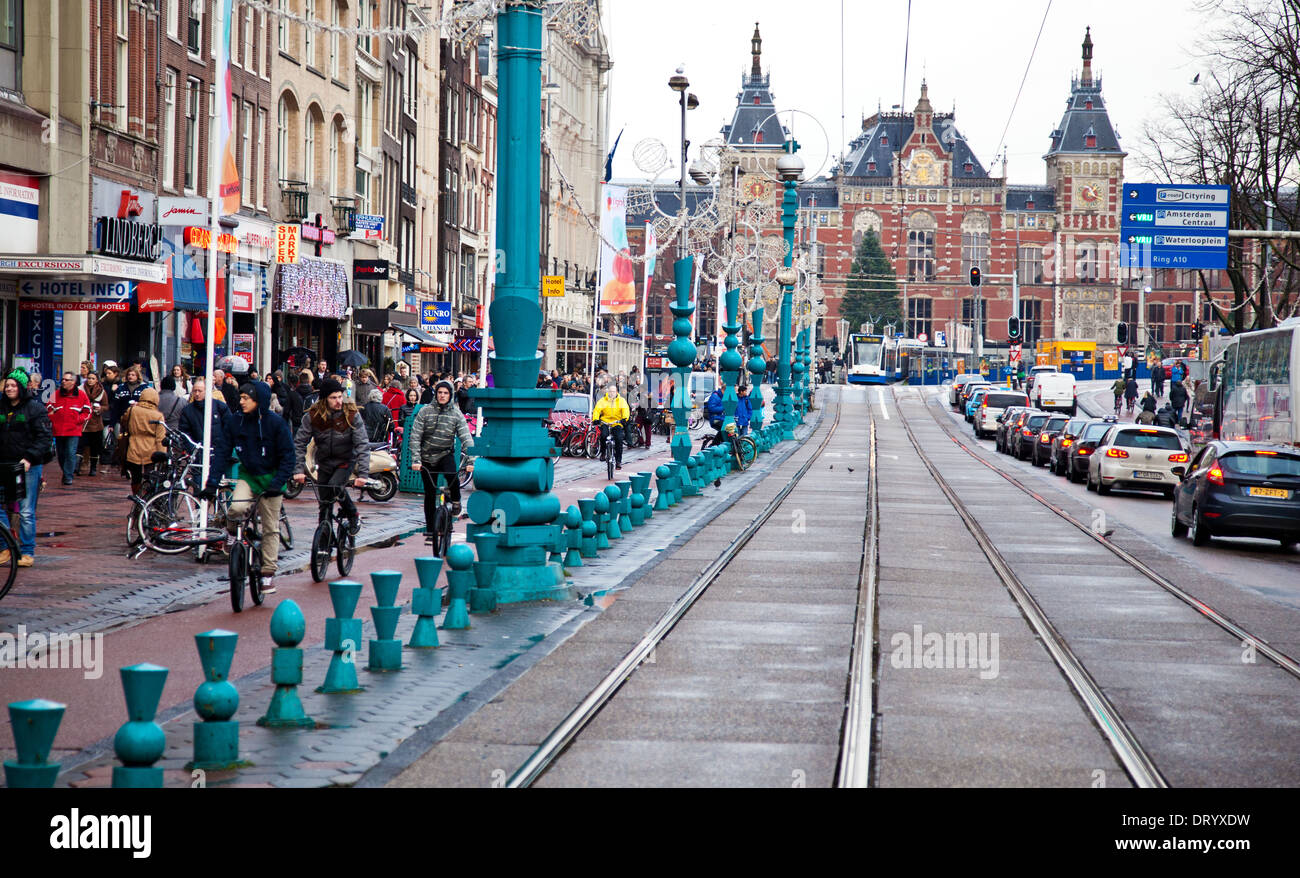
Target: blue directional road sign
(1174,226)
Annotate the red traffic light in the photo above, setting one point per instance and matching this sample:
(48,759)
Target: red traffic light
(974,277)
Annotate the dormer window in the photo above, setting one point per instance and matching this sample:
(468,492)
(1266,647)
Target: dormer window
(871,166)
(758,136)
(1090,139)
(969,167)
(1087,105)
(1029,205)
(884,140)
(756,100)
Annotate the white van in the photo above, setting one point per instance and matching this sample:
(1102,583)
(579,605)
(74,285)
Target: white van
(1033,374)
(1055,391)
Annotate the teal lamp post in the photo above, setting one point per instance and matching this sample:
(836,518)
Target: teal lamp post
(515,472)
(682,349)
(790,168)
(731,361)
(757,367)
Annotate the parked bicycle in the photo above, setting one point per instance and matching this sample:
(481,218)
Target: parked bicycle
(744,450)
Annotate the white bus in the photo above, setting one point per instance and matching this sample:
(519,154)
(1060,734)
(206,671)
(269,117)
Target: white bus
(1254,383)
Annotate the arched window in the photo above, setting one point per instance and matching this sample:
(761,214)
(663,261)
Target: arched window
(920,246)
(332,169)
(309,150)
(975,242)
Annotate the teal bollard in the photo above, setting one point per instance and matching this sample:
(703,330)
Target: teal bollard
(639,509)
(587,508)
(573,536)
(426,603)
(602,520)
(641,485)
(460,579)
(385,648)
(624,505)
(288,628)
(140,742)
(663,478)
(611,523)
(216,737)
(482,598)
(674,482)
(343,637)
(693,468)
(35,723)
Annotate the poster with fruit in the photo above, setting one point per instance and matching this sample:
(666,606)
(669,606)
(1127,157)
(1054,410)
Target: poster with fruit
(617,284)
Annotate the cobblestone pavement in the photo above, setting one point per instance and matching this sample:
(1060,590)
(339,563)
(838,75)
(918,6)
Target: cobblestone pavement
(436,690)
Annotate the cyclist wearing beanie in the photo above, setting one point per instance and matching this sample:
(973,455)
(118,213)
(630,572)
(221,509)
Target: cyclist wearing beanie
(433,434)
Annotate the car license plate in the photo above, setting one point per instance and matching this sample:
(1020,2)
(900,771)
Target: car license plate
(1270,492)
(1142,474)
(1049,402)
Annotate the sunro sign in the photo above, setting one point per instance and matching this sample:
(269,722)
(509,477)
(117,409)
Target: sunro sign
(129,240)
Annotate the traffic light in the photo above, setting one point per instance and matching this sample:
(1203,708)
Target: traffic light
(1013,329)
(1196,332)
(974,277)
(1121,333)
(835,345)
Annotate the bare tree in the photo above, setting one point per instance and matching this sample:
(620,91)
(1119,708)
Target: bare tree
(1242,129)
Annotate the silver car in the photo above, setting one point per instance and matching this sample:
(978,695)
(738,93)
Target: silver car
(1137,458)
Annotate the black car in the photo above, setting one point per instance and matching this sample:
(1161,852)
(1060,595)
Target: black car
(1042,446)
(1240,489)
(1058,459)
(1022,438)
(1006,422)
(1076,461)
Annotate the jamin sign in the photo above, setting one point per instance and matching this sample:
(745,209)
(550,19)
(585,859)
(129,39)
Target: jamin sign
(286,244)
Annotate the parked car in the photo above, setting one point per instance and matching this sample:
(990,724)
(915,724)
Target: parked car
(1240,489)
(958,383)
(1006,424)
(1055,391)
(1138,458)
(1022,439)
(1058,457)
(1080,453)
(992,405)
(969,391)
(1042,447)
(973,402)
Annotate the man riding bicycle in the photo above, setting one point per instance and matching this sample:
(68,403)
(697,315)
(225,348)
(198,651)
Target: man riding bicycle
(611,413)
(342,449)
(260,442)
(433,434)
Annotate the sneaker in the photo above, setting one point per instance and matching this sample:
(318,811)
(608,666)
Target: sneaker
(354,525)
(26,561)
(67,480)
(5,557)
(455,509)
(268,583)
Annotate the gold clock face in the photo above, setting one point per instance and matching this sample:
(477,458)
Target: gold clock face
(922,170)
(1089,193)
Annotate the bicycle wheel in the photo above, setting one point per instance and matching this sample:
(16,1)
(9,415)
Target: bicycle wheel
(609,460)
(347,549)
(466,477)
(286,530)
(322,549)
(238,567)
(748,449)
(8,569)
(169,523)
(441,531)
(254,565)
(133,524)
(577,444)
(593,443)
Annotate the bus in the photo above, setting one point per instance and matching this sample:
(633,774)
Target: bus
(1254,384)
(867,359)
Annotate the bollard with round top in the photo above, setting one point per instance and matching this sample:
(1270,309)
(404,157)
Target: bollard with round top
(140,742)
(385,648)
(602,520)
(573,536)
(426,603)
(614,495)
(663,478)
(641,485)
(343,637)
(460,579)
(216,737)
(35,722)
(288,628)
(587,509)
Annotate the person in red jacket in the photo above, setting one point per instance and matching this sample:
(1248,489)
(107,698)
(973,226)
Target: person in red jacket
(395,398)
(69,410)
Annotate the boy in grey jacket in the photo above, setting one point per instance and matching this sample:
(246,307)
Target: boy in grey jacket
(433,434)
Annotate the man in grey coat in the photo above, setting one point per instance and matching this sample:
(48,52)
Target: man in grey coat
(433,435)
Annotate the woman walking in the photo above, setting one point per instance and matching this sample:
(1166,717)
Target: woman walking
(144,435)
(92,434)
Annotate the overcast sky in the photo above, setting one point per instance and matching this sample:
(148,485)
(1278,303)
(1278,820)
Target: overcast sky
(972,54)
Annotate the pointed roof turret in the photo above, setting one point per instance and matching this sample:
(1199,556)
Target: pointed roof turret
(754,123)
(1085,127)
(756,49)
(1086,79)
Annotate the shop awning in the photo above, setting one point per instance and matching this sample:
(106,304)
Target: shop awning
(421,336)
(189,287)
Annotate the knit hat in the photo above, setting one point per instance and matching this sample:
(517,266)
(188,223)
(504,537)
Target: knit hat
(447,384)
(329,386)
(19,374)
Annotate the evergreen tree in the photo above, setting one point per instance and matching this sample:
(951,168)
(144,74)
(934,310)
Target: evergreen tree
(871,291)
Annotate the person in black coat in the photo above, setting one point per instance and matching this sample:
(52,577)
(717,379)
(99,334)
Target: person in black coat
(191,420)
(262,443)
(26,444)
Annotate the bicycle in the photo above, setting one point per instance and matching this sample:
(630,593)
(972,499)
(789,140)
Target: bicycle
(8,544)
(333,538)
(744,451)
(444,519)
(245,562)
(608,454)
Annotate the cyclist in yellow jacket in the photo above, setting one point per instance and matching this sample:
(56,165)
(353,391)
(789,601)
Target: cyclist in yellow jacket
(611,412)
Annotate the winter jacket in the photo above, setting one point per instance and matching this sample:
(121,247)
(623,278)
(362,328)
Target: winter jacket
(611,411)
(1178,394)
(25,430)
(69,412)
(123,396)
(260,441)
(405,412)
(394,398)
(433,434)
(361,392)
(636,396)
(1131,389)
(299,400)
(1118,387)
(95,423)
(744,412)
(713,406)
(145,435)
(338,441)
(191,418)
(230,393)
(378,417)
(171,404)
(1165,417)
(1149,404)
(462,399)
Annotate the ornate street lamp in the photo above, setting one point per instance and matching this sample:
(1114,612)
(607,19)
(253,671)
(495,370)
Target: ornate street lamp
(790,168)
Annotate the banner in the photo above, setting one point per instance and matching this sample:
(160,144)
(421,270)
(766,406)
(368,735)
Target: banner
(651,246)
(617,287)
(229,190)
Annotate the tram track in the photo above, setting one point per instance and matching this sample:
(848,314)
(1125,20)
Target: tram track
(1137,763)
(569,728)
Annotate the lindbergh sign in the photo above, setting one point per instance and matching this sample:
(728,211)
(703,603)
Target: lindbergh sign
(129,240)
